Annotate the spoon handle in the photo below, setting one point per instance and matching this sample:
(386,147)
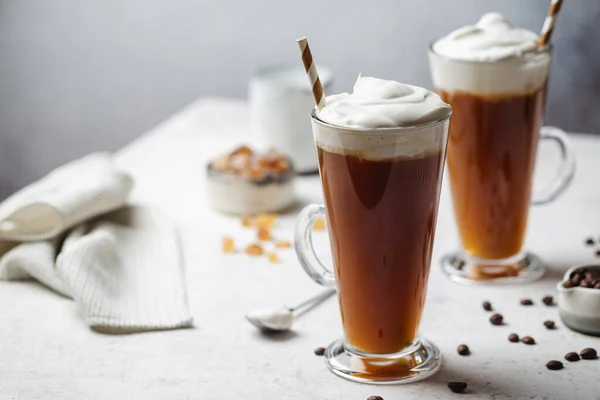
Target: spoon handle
(313,301)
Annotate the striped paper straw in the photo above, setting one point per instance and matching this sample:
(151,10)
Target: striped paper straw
(311,71)
(549,23)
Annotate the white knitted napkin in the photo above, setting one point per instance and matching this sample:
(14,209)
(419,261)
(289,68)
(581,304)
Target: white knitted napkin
(123,269)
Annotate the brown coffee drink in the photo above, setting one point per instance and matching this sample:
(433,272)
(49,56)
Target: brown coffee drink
(491,158)
(495,75)
(382,216)
(381,152)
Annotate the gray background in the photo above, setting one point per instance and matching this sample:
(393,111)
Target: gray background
(79,75)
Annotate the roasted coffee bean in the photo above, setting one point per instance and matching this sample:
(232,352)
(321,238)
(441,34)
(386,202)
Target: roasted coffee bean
(554,365)
(548,300)
(589,241)
(513,337)
(569,284)
(586,284)
(577,279)
(549,324)
(597,285)
(588,354)
(572,356)
(375,398)
(463,350)
(487,306)
(497,319)
(320,351)
(526,302)
(528,340)
(457,387)
(590,276)
(597,253)
(578,272)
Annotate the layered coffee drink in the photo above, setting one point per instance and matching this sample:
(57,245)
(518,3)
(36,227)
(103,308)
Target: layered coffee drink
(495,78)
(381,182)
(382,221)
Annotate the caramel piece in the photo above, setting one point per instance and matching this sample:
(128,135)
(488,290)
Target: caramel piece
(283,244)
(242,150)
(264,221)
(244,162)
(264,234)
(273,258)
(228,245)
(254,249)
(246,221)
(221,164)
(319,224)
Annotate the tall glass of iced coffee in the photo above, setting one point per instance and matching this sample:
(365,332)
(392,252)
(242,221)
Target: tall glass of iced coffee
(495,78)
(381,156)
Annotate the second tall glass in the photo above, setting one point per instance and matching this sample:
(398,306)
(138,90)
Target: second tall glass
(498,113)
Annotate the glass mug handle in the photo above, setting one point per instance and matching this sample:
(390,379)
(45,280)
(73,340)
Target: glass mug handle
(304,248)
(566,170)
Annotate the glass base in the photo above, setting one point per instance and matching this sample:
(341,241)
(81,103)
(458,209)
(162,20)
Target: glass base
(415,363)
(462,268)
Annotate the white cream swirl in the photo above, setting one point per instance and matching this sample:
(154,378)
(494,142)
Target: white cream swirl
(492,38)
(378,103)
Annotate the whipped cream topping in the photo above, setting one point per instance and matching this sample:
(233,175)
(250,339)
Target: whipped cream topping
(378,103)
(492,38)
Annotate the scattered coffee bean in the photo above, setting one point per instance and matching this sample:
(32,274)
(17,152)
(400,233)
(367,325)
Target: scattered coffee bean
(554,365)
(548,300)
(589,241)
(513,337)
(463,350)
(528,340)
(597,253)
(572,356)
(457,387)
(487,306)
(549,324)
(320,351)
(497,319)
(526,302)
(588,354)
(375,398)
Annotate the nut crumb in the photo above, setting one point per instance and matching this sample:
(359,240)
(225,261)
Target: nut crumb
(246,221)
(263,234)
(273,257)
(264,221)
(319,224)
(283,244)
(228,245)
(254,249)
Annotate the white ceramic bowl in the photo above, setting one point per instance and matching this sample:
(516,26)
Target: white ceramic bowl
(579,307)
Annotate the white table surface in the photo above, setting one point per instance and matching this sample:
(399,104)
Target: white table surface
(46,351)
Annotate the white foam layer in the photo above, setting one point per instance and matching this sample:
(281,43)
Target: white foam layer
(492,38)
(378,103)
(521,75)
(490,58)
(373,145)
